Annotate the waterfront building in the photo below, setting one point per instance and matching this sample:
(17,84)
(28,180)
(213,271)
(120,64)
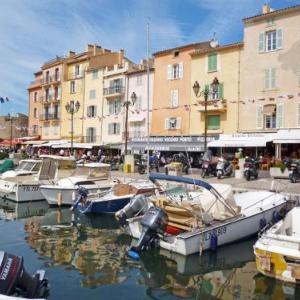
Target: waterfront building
(138,112)
(223,63)
(35,105)
(13,126)
(172,90)
(270,72)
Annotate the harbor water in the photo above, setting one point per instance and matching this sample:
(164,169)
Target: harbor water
(85,258)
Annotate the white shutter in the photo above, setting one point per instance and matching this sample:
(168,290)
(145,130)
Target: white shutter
(279,116)
(59,93)
(273,78)
(118,128)
(167,125)
(298,114)
(175,98)
(178,123)
(261,42)
(267,79)
(109,129)
(180,70)
(218,62)
(171,97)
(279,39)
(95,111)
(259,117)
(169,72)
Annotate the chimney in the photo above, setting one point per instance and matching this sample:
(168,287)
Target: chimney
(71,54)
(266,9)
(121,55)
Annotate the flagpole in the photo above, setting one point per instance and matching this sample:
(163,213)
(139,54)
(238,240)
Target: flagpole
(148,101)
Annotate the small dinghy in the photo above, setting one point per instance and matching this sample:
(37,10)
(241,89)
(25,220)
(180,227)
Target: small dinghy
(278,249)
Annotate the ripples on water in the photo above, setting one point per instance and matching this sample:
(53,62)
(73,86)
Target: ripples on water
(85,258)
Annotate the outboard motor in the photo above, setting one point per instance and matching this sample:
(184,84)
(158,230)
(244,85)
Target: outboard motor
(14,280)
(82,195)
(153,222)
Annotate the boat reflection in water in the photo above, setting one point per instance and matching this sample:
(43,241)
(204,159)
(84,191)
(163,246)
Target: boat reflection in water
(10,210)
(96,248)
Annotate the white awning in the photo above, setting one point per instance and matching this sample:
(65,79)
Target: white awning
(136,118)
(75,145)
(51,143)
(34,142)
(287,136)
(242,140)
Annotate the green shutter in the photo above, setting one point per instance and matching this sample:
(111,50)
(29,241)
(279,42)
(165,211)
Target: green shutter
(221,90)
(212,62)
(273,78)
(213,122)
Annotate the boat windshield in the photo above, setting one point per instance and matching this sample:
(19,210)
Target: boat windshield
(101,172)
(28,166)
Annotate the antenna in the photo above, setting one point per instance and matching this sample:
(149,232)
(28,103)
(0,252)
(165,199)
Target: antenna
(214,42)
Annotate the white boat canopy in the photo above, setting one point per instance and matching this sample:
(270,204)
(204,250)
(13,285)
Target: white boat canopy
(287,136)
(75,145)
(242,140)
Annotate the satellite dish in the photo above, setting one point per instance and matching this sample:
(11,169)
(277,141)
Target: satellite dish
(214,43)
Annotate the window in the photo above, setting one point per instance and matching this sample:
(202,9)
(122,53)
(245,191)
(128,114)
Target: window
(77,70)
(47,94)
(270,121)
(270,41)
(175,71)
(114,106)
(57,92)
(56,74)
(94,74)
(139,103)
(139,79)
(35,96)
(72,87)
(114,128)
(91,135)
(47,76)
(213,122)
(212,62)
(270,78)
(174,98)
(35,112)
(35,129)
(56,112)
(91,111)
(176,53)
(92,94)
(173,123)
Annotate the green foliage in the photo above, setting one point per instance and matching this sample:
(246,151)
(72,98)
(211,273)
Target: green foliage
(3,155)
(280,165)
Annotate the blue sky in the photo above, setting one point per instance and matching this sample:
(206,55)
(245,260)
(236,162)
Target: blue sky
(34,31)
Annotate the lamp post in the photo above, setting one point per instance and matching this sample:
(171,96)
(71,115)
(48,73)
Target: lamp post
(10,119)
(205,93)
(127,104)
(72,108)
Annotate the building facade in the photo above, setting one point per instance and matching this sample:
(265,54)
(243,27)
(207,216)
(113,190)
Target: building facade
(13,126)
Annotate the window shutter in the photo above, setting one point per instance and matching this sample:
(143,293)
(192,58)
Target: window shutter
(218,62)
(110,110)
(169,72)
(171,97)
(221,90)
(273,78)
(279,115)
(298,114)
(214,62)
(209,64)
(261,43)
(118,106)
(279,39)
(267,78)
(95,111)
(180,70)
(175,98)
(259,117)
(59,93)
(167,123)
(118,128)
(109,129)
(178,123)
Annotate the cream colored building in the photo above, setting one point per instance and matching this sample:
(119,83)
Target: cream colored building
(223,63)
(270,71)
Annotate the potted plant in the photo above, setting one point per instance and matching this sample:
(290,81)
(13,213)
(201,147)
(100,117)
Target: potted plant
(279,170)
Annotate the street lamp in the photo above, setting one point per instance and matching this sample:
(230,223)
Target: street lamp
(10,119)
(127,104)
(205,93)
(72,108)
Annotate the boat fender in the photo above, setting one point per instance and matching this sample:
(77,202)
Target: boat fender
(132,254)
(262,223)
(73,196)
(59,199)
(213,242)
(275,216)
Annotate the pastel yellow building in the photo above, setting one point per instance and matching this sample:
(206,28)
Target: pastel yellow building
(223,63)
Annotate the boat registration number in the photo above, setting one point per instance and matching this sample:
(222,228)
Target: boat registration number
(219,231)
(30,188)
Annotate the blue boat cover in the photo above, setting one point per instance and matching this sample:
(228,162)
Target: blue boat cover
(158,176)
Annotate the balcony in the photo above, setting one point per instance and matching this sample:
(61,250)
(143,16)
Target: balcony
(213,105)
(49,99)
(35,83)
(90,138)
(53,79)
(114,91)
(134,134)
(50,116)
(77,75)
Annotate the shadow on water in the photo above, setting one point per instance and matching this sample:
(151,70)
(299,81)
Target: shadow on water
(94,247)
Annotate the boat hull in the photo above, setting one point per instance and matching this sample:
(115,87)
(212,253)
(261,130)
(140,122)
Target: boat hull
(227,232)
(105,206)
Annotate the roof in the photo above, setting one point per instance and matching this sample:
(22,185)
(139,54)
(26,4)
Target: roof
(218,48)
(278,12)
(195,45)
(139,71)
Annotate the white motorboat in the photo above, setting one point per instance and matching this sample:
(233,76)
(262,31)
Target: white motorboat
(193,226)
(277,251)
(92,176)
(22,185)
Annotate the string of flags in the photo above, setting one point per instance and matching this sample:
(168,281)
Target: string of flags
(4,99)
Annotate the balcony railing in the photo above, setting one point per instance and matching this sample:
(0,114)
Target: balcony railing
(213,105)
(90,139)
(114,90)
(51,79)
(49,98)
(134,134)
(75,75)
(50,116)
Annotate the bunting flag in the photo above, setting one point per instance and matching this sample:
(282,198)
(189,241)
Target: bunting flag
(271,99)
(1,99)
(290,96)
(6,99)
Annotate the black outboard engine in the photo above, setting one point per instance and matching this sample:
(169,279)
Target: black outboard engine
(82,195)
(153,222)
(14,280)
